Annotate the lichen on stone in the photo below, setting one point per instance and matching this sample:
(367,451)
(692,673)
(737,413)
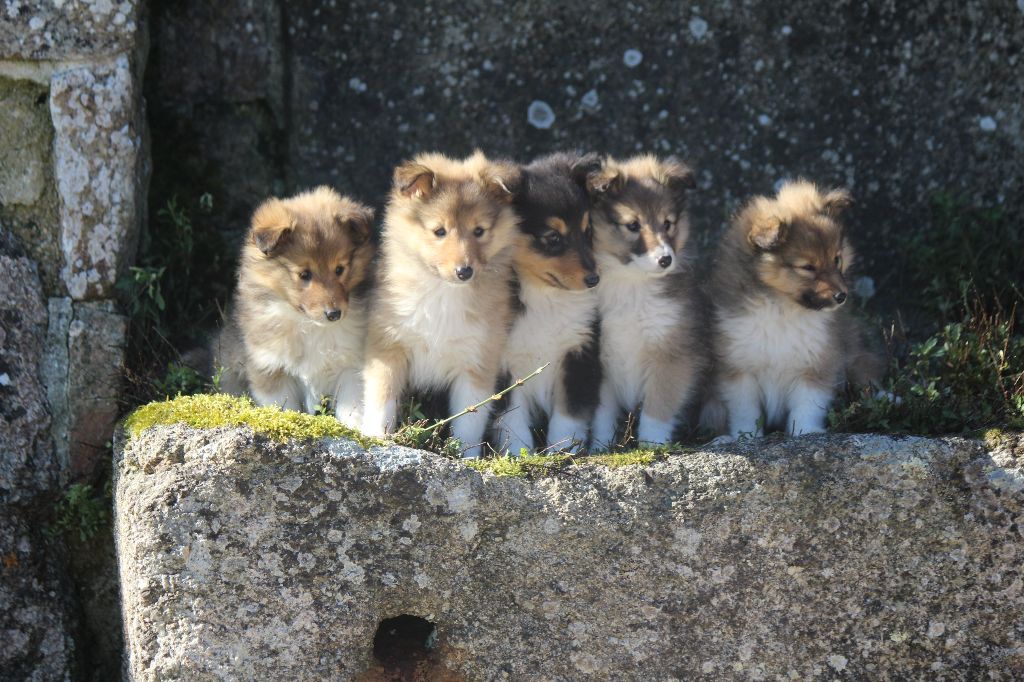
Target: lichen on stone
(529,466)
(209,411)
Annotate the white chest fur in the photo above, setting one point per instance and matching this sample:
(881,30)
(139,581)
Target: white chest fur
(775,339)
(554,323)
(636,316)
(444,330)
(317,354)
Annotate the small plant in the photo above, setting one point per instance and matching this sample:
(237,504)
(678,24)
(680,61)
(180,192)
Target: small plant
(142,288)
(178,380)
(967,376)
(82,511)
(172,295)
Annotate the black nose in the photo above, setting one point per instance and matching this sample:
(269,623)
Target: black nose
(840,297)
(332,315)
(464,273)
(665,261)
(591,280)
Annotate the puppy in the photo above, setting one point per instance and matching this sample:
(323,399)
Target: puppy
(784,340)
(650,350)
(556,322)
(440,315)
(297,327)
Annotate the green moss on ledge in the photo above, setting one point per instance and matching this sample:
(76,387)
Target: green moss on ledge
(210,411)
(531,466)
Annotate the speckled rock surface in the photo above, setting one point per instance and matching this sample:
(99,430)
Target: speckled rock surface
(99,170)
(67,29)
(28,195)
(859,556)
(83,369)
(34,604)
(896,100)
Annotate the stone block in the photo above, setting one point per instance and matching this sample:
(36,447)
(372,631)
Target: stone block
(68,29)
(83,372)
(863,556)
(100,170)
(34,600)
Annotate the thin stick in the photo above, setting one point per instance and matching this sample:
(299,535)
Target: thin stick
(497,396)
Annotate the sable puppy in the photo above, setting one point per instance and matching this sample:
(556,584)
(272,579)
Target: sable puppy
(440,315)
(556,322)
(785,342)
(651,351)
(298,323)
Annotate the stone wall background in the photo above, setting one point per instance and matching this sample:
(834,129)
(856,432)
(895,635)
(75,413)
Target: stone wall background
(73,180)
(898,101)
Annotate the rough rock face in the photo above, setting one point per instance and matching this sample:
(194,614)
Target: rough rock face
(861,556)
(98,155)
(34,604)
(67,28)
(896,100)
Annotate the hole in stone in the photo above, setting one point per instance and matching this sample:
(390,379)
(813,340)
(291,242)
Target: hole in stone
(403,641)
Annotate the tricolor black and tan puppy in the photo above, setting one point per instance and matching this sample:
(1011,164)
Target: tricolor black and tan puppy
(440,314)
(298,322)
(785,342)
(651,355)
(556,322)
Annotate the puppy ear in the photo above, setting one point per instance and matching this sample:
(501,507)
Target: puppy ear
(502,179)
(766,231)
(358,219)
(583,167)
(415,180)
(272,224)
(677,176)
(836,202)
(604,181)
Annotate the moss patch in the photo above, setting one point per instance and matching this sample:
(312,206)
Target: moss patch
(532,466)
(211,411)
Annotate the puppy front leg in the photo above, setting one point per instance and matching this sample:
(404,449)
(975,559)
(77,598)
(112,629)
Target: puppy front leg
(468,390)
(669,389)
(384,380)
(808,408)
(605,418)
(742,396)
(276,388)
(348,398)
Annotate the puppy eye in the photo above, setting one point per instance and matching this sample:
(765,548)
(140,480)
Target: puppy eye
(338,270)
(305,275)
(633,226)
(552,238)
(667,225)
(478,231)
(839,259)
(440,232)
(808,268)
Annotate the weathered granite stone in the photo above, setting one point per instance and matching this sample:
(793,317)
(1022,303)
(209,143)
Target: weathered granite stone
(67,29)
(223,131)
(34,600)
(83,366)
(861,556)
(899,101)
(100,172)
(27,462)
(28,196)
(25,139)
